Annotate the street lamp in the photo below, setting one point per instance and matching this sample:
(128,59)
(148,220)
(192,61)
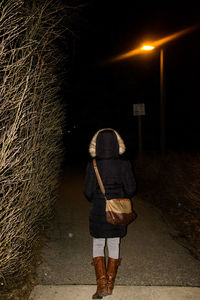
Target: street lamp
(147,47)
(162,99)
(157,44)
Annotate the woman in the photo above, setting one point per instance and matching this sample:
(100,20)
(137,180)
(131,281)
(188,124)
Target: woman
(107,147)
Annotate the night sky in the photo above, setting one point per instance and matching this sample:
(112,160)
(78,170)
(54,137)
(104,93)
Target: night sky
(102,95)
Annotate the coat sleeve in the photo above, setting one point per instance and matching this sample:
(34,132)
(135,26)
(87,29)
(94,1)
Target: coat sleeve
(90,183)
(128,179)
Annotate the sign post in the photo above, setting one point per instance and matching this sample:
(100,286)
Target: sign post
(162,104)
(139,111)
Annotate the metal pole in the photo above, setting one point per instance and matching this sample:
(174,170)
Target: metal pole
(162,104)
(140,134)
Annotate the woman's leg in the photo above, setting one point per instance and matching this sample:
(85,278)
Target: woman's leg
(100,268)
(113,247)
(113,262)
(99,247)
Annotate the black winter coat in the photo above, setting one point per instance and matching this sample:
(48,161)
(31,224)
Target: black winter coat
(119,182)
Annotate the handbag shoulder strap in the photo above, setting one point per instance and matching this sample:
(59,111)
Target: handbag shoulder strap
(99,177)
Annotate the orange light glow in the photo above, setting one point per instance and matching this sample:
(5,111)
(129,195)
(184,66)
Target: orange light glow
(154,44)
(147,47)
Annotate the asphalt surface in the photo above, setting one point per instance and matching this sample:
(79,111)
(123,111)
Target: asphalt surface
(152,254)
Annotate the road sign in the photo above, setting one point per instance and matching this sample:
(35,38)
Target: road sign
(139,109)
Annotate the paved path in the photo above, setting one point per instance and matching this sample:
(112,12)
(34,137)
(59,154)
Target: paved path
(84,292)
(151,253)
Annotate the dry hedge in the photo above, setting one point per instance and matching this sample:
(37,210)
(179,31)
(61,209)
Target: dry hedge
(31,122)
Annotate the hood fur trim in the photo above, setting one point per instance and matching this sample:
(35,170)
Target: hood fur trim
(92,147)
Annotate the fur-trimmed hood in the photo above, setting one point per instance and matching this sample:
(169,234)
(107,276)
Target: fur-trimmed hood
(106,142)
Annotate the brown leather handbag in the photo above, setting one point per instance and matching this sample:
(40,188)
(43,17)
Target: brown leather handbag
(119,211)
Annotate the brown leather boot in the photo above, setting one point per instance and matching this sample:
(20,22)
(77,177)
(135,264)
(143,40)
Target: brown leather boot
(111,273)
(100,270)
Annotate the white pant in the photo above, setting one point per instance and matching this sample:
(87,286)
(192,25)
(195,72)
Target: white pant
(113,245)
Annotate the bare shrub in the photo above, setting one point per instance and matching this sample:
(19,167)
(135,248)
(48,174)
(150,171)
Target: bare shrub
(171,182)
(31,122)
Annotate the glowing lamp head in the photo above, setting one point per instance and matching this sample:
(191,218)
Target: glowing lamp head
(147,47)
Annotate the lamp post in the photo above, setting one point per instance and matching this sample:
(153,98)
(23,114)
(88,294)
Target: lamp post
(156,44)
(162,104)
(162,97)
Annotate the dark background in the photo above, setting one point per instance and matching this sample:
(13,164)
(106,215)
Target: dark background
(102,95)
